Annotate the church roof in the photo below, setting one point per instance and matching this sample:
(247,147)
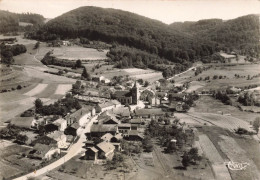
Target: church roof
(122,94)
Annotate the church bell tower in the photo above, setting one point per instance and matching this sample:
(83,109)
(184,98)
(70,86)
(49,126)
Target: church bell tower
(135,94)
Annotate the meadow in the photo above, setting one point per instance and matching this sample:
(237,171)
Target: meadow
(72,53)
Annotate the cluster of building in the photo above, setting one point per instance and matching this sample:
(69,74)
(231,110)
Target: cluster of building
(57,133)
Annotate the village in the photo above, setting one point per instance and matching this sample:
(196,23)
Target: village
(102,93)
(119,123)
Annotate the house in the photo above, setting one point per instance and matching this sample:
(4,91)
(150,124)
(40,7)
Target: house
(176,97)
(102,107)
(61,124)
(23,122)
(121,112)
(154,101)
(107,118)
(39,122)
(107,137)
(227,57)
(128,97)
(73,130)
(124,128)
(134,135)
(81,116)
(136,121)
(42,151)
(89,144)
(44,140)
(69,138)
(91,153)
(105,150)
(148,113)
(66,43)
(98,130)
(116,141)
(60,138)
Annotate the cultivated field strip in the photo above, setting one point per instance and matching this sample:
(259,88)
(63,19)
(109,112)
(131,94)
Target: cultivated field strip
(227,122)
(236,154)
(220,170)
(37,90)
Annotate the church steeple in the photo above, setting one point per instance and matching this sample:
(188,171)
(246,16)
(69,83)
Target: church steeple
(135,93)
(135,85)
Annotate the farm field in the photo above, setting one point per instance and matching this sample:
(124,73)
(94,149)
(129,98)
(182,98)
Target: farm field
(220,170)
(236,148)
(236,154)
(223,121)
(72,52)
(14,103)
(229,72)
(207,104)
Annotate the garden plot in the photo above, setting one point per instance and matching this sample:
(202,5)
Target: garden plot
(62,89)
(37,90)
(221,172)
(236,154)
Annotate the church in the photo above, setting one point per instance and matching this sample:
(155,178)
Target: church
(128,97)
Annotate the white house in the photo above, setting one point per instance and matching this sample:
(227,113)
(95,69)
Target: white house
(108,105)
(42,151)
(60,137)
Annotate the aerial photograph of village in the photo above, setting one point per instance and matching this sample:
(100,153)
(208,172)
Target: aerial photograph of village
(129,90)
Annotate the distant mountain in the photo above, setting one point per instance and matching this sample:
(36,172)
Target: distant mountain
(241,34)
(125,28)
(9,22)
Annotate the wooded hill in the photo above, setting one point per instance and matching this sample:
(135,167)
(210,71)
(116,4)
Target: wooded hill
(241,34)
(9,22)
(125,28)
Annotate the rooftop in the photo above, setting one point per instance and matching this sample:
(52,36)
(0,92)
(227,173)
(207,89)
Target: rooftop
(24,122)
(106,147)
(149,112)
(136,121)
(103,128)
(107,137)
(122,93)
(56,135)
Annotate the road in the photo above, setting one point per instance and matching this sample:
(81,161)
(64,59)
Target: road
(73,151)
(182,72)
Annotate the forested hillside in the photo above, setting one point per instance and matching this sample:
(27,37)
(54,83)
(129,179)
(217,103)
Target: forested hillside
(241,34)
(9,22)
(128,29)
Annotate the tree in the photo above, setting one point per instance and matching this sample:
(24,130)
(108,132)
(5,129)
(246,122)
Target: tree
(78,64)
(146,83)
(85,74)
(147,144)
(256,124)
(36,46)
(185,160)
(189,157)
(7,56)
(21,138)
(38,104)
